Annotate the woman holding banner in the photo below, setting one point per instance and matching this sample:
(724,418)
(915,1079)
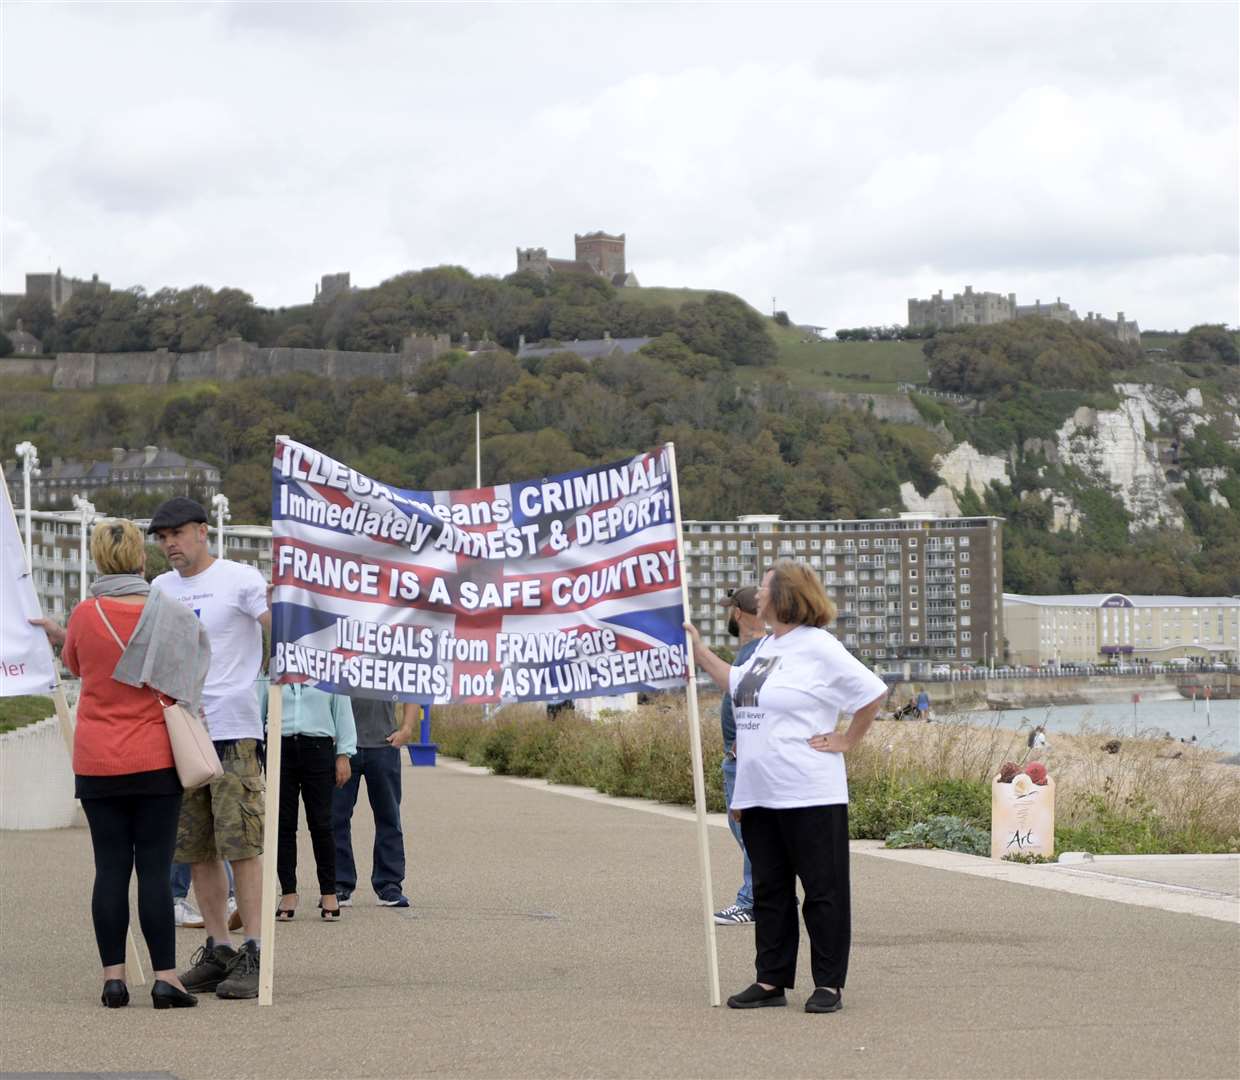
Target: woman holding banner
(122,759)
(791,794)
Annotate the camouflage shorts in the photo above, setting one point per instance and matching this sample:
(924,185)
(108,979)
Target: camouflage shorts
(224,820)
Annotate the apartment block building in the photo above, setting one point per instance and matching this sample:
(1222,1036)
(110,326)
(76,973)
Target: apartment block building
(1098,627)
(57,561)
(915,588)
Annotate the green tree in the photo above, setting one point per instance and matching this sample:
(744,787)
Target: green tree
(1210,343)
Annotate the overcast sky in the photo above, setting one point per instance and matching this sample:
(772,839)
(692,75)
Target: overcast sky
(840,158)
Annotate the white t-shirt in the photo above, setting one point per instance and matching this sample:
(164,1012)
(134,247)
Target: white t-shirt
(792,687)
(228,597)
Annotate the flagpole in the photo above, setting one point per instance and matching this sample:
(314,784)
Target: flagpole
(271,825)
(695,751)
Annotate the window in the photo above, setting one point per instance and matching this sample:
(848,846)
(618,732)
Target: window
(964,589)
(912,542)
(912,558)
(913,637)
(964,572)
(912,573)
(965,635)
(964,556)
(912,590)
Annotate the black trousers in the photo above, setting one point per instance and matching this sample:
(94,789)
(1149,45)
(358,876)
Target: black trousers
(129,830)
(809,842)
(308,772)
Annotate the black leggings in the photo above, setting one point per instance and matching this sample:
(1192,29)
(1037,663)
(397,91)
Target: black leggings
(125,829)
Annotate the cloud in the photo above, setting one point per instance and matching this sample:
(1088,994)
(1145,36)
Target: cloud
(840,158)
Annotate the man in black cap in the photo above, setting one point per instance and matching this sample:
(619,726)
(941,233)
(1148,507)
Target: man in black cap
(223,821)
(744,624)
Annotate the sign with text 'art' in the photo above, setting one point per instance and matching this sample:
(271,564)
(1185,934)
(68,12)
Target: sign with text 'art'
(567,586)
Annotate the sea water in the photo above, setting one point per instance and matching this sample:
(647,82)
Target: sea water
(1216,727)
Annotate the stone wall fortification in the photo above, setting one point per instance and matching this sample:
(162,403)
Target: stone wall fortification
(226,363)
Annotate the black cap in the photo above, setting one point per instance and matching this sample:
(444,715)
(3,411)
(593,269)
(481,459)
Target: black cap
(176,512)
(745,598)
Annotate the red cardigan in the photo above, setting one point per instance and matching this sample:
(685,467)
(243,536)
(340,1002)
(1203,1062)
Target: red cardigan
(120,729)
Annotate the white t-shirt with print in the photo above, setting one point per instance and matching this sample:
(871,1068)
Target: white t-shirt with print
(228,597)
(792,687)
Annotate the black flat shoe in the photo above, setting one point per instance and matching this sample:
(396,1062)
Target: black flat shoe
(823,1000)
(115,994)
(166,996)
(757,997)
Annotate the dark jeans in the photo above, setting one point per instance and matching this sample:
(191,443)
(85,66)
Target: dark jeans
(809,842)
(308,771)
(129,830)
(380,765)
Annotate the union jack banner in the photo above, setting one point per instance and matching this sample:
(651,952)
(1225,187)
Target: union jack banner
(562,587)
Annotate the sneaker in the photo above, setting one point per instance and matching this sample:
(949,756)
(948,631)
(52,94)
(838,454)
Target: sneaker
(393,900)
(234,916)
(186,914)
(734,916)
(242,981)
(344,899)
(208,967)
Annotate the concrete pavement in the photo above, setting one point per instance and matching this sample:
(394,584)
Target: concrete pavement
(559,936)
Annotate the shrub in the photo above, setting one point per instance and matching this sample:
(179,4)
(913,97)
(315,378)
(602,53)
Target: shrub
(943,831)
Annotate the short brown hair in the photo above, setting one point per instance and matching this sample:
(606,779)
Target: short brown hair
(797,597)
(116,546)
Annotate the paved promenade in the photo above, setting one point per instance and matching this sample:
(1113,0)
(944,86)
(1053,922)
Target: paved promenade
(557,936)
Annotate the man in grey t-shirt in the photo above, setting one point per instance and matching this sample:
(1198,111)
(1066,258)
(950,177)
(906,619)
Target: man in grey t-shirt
(382,728)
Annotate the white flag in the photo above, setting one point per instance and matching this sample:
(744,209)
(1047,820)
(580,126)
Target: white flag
(26,664)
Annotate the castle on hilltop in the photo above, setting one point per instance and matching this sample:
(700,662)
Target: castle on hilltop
(55,288)
(597,253)
(983,309)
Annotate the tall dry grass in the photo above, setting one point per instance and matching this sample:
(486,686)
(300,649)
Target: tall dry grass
(1139,800)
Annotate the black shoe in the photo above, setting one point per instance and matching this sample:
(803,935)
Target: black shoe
(823,1000)
(756,997)
(166,996)
(242,980)
(210,966)
(115,994)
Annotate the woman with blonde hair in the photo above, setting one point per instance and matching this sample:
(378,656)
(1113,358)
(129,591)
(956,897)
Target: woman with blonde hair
(791,794)
(130,646)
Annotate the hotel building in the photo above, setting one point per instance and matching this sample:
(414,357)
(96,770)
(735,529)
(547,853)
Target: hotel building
(56,554)
(1101,627)
(918,588)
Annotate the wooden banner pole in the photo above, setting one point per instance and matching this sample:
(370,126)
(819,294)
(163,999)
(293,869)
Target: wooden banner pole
(271,827)
(695,750)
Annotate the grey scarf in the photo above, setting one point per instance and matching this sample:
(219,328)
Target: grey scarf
(168,651)
(120,585)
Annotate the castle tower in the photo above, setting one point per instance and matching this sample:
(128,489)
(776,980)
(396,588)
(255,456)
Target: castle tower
(534,260)
(603,253)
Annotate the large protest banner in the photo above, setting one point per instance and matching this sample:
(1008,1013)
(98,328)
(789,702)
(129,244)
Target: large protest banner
(26,664)
(566,586)
(561,587)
